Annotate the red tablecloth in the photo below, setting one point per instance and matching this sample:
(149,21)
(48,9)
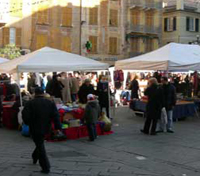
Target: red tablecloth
(9,118)
(80,132)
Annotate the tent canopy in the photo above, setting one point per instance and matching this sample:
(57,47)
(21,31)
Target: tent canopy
(171,57)
(51,60)
(2,60)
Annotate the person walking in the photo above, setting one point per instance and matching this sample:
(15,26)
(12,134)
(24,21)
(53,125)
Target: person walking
(38,115)
(154,106)
(169,92)
(92,113)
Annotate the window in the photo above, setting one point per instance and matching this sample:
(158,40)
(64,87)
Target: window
(192,24)
(66,16)
(134,45)
(149,18)
(135,17)
(93,40)
(66,44)
(43,14)
(93,19)
(114,18)
(6,36)
(149,45)
(41,41)
(170,24)
(113,45)
(12,38)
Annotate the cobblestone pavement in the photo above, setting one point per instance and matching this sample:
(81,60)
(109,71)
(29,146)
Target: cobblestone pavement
(125,153)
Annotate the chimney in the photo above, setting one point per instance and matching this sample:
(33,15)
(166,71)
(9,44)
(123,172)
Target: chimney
(180,4)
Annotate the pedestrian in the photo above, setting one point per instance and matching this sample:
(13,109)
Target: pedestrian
(38,115)
(102,92)
(134,87)
(74,87)
(86,89)
(57,86)
(49,85)
(154,106)
(92,113)
(169,92)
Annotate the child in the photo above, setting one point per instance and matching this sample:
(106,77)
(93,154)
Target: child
(92,113)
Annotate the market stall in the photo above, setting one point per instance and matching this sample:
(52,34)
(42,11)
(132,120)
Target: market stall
(170,58)
(181,110)
(53,60)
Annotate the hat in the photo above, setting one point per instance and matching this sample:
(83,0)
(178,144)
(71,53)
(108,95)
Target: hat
(90,97)
(39,91)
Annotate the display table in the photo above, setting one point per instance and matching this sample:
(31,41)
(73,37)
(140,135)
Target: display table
(81,132)
(9,118)
(181,110)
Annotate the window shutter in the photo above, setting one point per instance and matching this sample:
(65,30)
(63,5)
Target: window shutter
(41,41)
(174,24)
(18,37)
(6,36)
(197,25)
(66,44)
(93,40)
(93,19)
(114,18)
(66,16)
(187,23)
(113,45)
(165,24)
(135,17)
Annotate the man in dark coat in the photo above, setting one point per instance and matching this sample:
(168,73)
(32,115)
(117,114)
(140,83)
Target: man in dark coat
(85,90)
(102,92)
(92,113)
(154,106)
(38,115)
(169,92)
(134,87)
(57,86)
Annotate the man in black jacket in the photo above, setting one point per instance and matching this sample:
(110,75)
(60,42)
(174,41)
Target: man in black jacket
(38,114)
(169,92)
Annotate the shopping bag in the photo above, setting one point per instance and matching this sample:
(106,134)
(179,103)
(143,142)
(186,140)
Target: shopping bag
(164,115)
(25,130)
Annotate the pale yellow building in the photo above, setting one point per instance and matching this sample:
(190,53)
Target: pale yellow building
(181,21)
(117,29)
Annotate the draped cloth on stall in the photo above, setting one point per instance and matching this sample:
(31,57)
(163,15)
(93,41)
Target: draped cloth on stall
(51,60)
(2,60)
(171,57)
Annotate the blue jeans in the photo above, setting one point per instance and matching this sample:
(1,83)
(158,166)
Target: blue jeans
(73,96)
(169,120)
(169,124)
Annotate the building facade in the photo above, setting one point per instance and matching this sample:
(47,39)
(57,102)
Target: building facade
(181,21)
(143,26)
(115,29)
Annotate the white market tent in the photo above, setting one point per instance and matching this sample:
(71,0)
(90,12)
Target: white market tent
(171,57)
(2,60)
(51,60)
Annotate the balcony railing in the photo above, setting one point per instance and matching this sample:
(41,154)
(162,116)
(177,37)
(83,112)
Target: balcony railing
(145,4)
(144,29)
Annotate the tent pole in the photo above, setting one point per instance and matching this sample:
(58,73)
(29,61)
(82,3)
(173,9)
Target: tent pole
(109,106)
(18,83)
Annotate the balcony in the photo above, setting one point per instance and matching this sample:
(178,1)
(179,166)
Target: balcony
(151,4)
(144,29)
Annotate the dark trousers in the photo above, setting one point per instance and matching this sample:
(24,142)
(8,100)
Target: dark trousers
(40,153)
(73,96)
(92,131)
(107,110)
(150,123)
